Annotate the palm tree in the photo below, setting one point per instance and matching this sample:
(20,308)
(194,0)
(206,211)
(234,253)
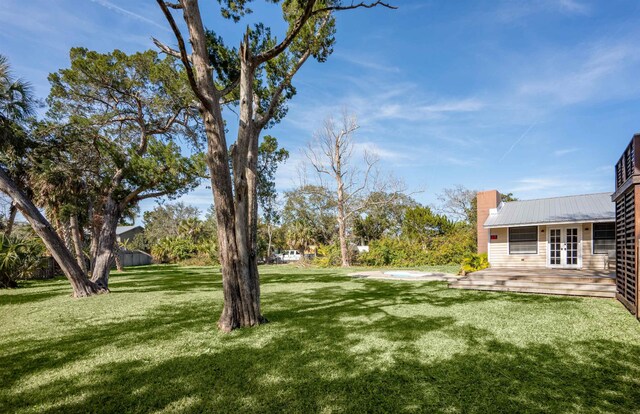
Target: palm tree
(299,236)
(192,228)
(16,106)
(16,95)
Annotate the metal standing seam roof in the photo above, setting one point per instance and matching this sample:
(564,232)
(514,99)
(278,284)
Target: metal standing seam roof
(568,209)
(123,229)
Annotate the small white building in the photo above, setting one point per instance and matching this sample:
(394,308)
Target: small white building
(572,232)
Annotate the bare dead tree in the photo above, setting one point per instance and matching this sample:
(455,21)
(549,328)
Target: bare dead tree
(332,154)
(458,203)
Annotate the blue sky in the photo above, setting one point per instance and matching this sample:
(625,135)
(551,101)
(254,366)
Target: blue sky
(538,98)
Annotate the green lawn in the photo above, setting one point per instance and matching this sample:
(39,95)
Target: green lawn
(334,344)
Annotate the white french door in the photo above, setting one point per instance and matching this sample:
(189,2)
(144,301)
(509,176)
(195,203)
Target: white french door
(564,247)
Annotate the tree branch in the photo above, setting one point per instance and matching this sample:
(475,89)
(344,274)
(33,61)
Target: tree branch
(304,17)
(275,100)
(230,87)
(355,6)
(280,47)
(184,57)
(135,195)
(168,50)
(168,124)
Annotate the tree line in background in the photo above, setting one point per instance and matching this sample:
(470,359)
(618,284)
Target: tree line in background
(400,232)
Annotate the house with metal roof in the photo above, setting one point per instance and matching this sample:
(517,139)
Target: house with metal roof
(125,233)
(573,232)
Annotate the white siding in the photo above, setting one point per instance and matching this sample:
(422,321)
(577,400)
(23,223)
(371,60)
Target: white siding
(590,260)
(499,250)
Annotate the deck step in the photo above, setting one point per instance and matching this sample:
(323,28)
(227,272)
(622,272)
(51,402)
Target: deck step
(605,280)
(548,291)
(546,281)
(533,284)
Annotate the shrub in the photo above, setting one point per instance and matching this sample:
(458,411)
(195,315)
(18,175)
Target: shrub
(328,255)
(173,249)
(138,242)
(394,252)
(184,250)
(474,262)
(452,247)
(200,259)
(446,249)
(19,258)
(207,252)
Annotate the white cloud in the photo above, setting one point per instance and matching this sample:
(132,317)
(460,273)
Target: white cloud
(381,152)
(413,111)
(367,62)
(565,151)
(605,71)
(120,10)
(559,185)
(573,6)
(537,184)
(516,11)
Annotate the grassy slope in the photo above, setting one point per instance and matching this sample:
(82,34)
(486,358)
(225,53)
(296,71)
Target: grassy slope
(334,344)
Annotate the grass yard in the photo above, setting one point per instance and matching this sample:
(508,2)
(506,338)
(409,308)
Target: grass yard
(334,344)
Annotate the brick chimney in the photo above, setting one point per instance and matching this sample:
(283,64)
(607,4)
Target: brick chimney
(486,201)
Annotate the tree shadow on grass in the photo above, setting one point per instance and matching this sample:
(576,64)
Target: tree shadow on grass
(330,349)
(22,357)
(35,291)
(315,369)
(166,278)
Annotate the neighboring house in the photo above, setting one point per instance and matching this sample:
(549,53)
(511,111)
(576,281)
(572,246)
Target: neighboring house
(131,257)
(573,232)
(125,233)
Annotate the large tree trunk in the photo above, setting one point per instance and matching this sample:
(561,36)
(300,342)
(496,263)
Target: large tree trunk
(239,275)
(245,185)
(13,210)
(82,287)
(77,242)
(252,185)
(236,310)
(105,244)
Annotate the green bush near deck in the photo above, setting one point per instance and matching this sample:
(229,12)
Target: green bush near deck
(475,262)
(333,344)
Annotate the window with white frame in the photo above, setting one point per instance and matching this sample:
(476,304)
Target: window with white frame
(523,240)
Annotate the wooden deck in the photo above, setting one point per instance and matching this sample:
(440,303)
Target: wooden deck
(582,282)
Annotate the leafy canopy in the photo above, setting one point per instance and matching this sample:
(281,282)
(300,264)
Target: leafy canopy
(120,117)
